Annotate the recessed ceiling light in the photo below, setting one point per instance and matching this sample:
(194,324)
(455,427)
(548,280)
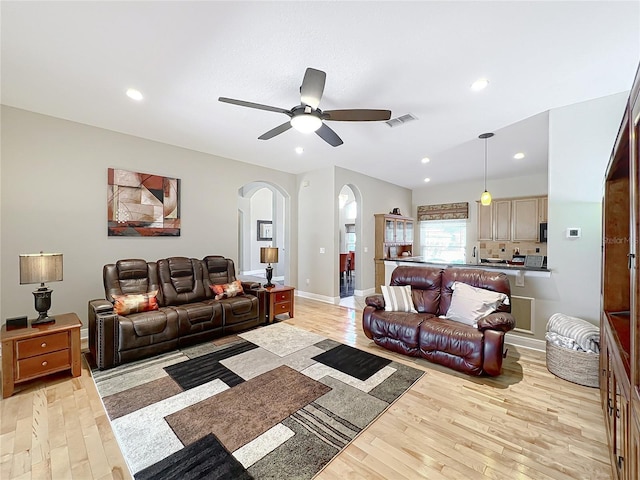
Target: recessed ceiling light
(426,160)
(427,180)
(299,150)
(479,84)
(519,156)
(134,94)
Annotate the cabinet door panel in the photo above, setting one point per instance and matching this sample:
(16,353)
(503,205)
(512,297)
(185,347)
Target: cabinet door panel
(543,206)
(525,220)
(485,222)
(503,220)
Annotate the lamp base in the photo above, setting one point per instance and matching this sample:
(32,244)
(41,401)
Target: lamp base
(42,298)
(269,277)
(43,319)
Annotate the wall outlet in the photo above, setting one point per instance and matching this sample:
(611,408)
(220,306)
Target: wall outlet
(321,250)
(537,249)
(366,249)
(308,281)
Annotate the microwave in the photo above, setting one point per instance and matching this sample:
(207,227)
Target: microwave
(543,232)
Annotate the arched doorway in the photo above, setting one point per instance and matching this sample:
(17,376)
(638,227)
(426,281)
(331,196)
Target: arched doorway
(263,219)
(348,240)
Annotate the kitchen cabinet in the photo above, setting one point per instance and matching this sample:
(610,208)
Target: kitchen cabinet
(502,225)
(525,226)
(511,219)
(485,222)
(620,288)
(393,237)
(543,206)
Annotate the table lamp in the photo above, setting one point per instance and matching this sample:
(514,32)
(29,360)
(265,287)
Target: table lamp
(269,255)
(41,268)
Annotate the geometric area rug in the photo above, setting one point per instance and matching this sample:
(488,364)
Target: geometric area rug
(276,402)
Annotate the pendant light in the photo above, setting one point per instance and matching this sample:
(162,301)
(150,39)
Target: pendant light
(485,198)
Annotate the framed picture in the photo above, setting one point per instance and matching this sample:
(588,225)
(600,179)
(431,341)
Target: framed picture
(142,204)
(265,231)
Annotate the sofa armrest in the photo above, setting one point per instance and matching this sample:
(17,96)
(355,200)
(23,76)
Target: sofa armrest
(376,301)
(501,321)
(251,287)
(255,289)
(103,333)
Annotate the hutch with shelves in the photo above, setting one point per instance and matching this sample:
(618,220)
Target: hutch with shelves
(393,237)
(620,325)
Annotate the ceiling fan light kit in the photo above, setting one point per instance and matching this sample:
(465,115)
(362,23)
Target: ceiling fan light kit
(307,117)
(306,122)
(485,198)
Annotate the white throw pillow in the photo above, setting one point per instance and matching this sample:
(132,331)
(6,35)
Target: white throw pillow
(398,299)
(469,304)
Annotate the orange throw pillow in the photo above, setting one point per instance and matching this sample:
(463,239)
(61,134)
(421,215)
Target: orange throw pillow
(227,290)
(126,304)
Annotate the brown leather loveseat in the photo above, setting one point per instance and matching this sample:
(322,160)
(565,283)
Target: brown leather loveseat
(155,307)
(474,347)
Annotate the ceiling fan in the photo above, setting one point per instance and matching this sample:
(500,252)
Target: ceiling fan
(307,117)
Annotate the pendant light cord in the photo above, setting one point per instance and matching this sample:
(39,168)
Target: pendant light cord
(485,163)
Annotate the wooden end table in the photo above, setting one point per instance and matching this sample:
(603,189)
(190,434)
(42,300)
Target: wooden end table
(39,350)
(280,301)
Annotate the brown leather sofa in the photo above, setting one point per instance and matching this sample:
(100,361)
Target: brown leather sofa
(466,348)
(187,312)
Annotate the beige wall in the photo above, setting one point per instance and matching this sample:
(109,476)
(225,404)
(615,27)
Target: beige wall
(54,188)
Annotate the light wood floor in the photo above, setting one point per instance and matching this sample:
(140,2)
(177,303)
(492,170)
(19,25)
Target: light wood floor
(525,424)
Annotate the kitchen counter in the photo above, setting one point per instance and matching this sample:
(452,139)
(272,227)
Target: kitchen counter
(517,270)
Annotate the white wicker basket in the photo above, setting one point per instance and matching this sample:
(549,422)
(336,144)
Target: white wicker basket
(572,365)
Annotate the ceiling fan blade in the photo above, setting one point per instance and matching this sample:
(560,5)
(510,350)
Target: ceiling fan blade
(259,106)
(312,87)
(356,115)
(275,131)
(329,136)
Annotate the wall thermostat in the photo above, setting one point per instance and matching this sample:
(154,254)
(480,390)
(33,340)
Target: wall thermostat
(573,232)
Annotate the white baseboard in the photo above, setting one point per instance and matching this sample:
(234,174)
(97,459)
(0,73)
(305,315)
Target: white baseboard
(320,298)
(364,293)
(520,341)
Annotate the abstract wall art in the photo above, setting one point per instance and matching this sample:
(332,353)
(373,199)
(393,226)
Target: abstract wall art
(142,204)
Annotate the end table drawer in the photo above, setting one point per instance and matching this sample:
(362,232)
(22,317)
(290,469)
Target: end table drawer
(283,296)
(43,344)
(42,364)
(279,308)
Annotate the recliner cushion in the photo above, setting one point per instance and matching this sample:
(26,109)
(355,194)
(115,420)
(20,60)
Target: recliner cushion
(452,344)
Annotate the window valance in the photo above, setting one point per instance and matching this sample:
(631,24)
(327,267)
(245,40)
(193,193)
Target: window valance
(443,211)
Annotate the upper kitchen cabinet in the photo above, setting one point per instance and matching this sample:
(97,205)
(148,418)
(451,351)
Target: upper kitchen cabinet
(512,219)
(485,222)
(543,203)
(502,224)
(525,220)
(494,221)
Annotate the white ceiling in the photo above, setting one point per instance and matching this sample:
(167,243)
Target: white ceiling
(74,60)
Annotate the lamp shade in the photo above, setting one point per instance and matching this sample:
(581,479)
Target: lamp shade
(40,268)
(268,255)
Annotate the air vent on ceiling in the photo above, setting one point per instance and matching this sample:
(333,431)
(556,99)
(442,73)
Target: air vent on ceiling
(396,122)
